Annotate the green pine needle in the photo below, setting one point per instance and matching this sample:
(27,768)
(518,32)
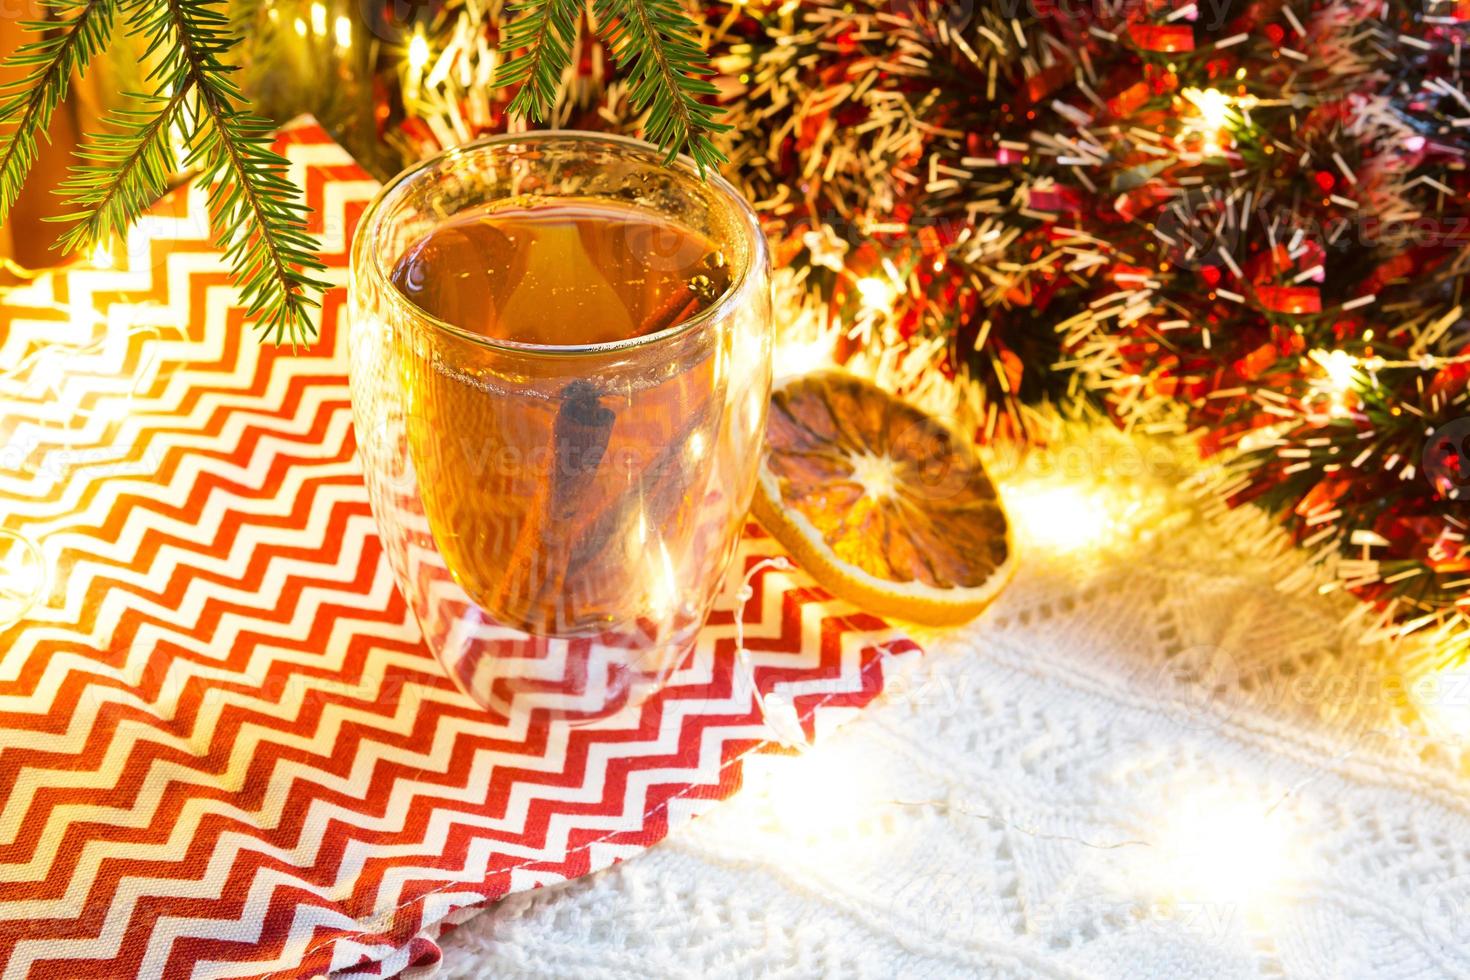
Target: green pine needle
(123,170)
(258,214)
(654,39)
(27,104)
(544,33)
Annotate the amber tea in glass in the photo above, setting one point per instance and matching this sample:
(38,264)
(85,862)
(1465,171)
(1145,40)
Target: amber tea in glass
(561,360)
(542,548)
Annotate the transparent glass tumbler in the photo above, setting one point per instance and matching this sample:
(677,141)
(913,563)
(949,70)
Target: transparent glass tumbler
(559,518)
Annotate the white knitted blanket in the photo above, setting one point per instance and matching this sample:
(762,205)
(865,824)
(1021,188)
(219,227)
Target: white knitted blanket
(1161,754)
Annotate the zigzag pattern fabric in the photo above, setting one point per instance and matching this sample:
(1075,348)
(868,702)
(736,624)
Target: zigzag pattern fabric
(224,751)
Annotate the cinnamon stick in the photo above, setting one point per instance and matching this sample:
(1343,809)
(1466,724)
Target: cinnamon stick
(579,438)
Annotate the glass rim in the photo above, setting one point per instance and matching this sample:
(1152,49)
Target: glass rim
(378,207)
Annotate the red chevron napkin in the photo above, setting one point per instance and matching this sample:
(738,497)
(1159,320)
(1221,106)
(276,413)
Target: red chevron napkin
(223,750)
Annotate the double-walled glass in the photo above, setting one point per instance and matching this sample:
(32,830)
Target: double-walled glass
(559,517)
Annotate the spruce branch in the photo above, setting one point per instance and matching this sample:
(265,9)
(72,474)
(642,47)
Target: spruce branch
(655,41)
(258,214)
(261,220)
(543,33)
(29,102)
(123,170)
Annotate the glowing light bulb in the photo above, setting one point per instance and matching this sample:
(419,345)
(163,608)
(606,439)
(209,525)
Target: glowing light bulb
(101,256)
(344,32)
(1340,366)
(1442,698)
(318,19)
(877,293)
(300,26)
(795,357)
(1213,105)
(820,797)
(22,577)
(1059,517)
(418,52)
(1216,847)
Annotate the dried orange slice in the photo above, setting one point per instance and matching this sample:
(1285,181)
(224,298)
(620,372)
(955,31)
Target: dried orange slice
(882,504)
